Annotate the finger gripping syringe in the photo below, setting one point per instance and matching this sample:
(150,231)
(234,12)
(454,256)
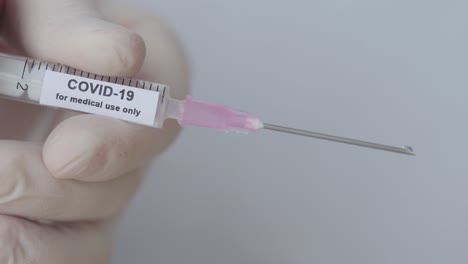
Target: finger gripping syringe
(136,101)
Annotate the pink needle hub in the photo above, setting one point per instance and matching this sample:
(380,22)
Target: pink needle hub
(217,117)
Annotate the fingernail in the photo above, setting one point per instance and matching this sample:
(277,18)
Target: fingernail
(66,168)
(65,159)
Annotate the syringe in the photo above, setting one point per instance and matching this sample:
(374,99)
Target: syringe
(136,101)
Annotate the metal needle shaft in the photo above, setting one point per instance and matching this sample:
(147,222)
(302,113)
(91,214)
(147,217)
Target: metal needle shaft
(402,150)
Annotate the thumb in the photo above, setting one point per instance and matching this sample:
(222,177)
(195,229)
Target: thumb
(74,33)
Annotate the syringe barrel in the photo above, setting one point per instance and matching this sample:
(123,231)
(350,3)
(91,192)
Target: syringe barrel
(22,79)
(15,83)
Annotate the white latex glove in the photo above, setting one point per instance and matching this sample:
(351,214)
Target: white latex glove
(65,177)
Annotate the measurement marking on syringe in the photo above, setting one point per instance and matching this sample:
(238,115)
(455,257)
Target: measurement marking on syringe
(40,64)
(32,65)
(24,68)
(164,92)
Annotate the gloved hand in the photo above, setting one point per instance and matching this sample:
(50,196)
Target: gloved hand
(65,177)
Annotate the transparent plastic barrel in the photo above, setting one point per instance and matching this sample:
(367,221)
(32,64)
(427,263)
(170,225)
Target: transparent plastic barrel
(21,79)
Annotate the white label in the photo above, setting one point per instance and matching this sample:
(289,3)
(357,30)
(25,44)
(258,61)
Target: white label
(98,97)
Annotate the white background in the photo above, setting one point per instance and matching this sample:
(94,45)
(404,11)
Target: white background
(393,71)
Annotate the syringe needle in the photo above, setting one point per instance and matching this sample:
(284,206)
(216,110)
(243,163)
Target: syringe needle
(402,150)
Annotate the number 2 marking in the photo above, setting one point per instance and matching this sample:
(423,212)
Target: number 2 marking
(20,86)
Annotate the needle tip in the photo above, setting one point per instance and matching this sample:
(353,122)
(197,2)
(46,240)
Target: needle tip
(409,150)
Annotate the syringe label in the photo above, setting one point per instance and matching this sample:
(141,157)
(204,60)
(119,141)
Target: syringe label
(99,97)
